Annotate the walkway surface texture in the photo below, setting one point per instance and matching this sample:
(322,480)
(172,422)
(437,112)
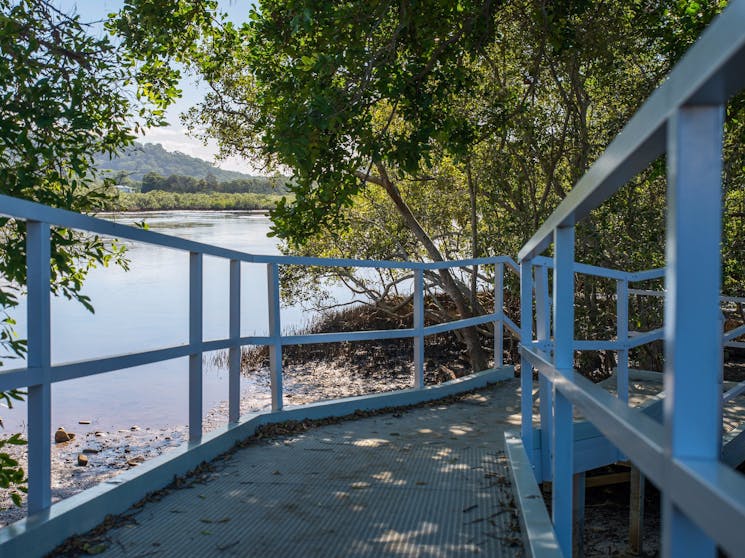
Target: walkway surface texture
(426,482)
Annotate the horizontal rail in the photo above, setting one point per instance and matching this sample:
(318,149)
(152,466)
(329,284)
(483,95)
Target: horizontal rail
(646,337)
(374,264)
(647,275)
(371,335)
(734,333)
(24,209)
(661,294)
(597,345)
(713,495)
(647,292)
(587,269)
(27,210)
(102,365)
(539,536)
(460,324)
(712,70)
(23,377)
(733,392)
(19,378)
(610,273)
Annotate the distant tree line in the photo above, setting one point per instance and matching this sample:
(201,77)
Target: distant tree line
(177,183)
(160,201)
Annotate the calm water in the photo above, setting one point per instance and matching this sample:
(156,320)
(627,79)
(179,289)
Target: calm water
(147,308)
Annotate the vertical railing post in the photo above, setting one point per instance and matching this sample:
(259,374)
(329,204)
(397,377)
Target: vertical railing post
(499,311)
(38,262)
(563,428)
(693,341)
(526,369)
(195,343)
(419,328)
(542,310)
(622,335)
(545,391)
(234,353)
(275,334)
(720,377)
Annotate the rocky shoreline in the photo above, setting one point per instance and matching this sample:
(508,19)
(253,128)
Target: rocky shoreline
(109,453)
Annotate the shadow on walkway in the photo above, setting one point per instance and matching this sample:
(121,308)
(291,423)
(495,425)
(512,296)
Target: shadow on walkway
(427,482)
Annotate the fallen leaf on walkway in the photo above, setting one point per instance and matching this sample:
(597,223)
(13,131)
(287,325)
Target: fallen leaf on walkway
(94,549)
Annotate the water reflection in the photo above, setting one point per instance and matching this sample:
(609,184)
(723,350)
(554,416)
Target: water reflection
(147,308)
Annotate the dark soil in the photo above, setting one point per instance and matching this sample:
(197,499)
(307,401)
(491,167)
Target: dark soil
(445,355)
(734,365)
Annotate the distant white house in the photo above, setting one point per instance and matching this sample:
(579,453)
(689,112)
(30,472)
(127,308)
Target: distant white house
(125,189)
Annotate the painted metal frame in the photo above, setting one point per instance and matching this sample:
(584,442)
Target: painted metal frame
(703,498)
(40,373)
(539,537)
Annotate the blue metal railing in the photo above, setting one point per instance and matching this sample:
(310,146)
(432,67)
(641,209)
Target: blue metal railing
(40,373)
(703,499)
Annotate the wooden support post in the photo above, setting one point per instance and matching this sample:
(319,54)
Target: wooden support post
(636,512)
(578,537)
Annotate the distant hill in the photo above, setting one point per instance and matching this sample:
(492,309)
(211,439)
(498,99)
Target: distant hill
(141,159)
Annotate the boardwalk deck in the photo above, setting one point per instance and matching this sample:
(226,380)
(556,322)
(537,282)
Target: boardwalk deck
(431,481)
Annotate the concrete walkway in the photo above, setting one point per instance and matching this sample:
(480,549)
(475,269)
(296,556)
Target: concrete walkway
(428,482)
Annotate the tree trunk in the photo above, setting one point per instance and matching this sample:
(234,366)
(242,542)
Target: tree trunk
(471,338)
(474,236)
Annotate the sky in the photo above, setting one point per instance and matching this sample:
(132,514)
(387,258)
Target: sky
(174,136)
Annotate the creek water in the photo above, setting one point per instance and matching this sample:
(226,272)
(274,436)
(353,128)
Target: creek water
(147,308)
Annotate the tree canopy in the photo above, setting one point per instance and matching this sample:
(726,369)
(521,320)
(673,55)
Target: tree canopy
(451,128)
(65,94)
